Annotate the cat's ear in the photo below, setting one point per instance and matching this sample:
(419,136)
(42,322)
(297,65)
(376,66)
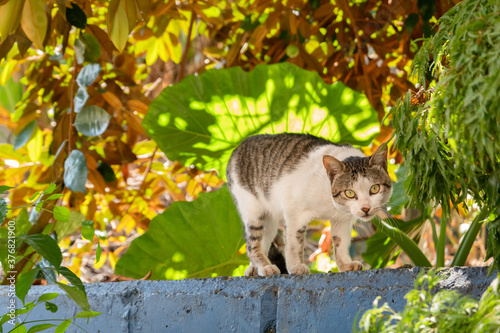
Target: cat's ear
(333,166)
(380,157)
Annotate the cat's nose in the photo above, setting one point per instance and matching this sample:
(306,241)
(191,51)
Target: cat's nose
(365,209)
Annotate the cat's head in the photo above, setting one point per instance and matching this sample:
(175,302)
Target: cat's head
(360,186)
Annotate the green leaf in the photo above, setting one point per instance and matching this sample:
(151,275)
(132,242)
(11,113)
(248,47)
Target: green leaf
(81,98)
(33,197)
(61,213)
(381,249)
(40,327)
(203,118)
(50,189)
(98,252)
(24,283)
(75,171)
(72,278)
(3,210)
(92,51)
(493,250)
(55,196)
(51,307)
(4,188)
(75,16)
(87,314)
(76,295)
(23,223)
(92,120)
(63,326)
(47,297)
(10,94)
(88,230)
(189,240)
(88,74)
(24,135)
(19,329)
(47,247)
(404,242)
(64,229)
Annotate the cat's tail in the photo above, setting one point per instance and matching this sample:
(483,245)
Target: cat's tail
(276,256)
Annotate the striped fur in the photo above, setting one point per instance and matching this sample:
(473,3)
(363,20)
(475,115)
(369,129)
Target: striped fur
(291,179)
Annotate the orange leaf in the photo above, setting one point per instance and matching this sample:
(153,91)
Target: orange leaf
(112,100)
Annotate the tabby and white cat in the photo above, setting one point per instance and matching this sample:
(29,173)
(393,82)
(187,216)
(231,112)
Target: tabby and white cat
(291,179)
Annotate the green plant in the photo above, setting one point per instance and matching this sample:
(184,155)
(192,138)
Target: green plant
(201,120)
(447,134)
(49,306)
(430,311)
(24,251)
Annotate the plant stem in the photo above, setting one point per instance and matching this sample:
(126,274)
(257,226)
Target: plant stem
(440,248)
(469,237)
(182,68)
(404,242)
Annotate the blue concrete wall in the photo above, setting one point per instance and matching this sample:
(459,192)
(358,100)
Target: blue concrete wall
(309,303)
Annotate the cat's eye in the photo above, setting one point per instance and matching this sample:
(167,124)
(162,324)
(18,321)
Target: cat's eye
(374,189)
(350,194)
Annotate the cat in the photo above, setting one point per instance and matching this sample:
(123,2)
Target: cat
(291,179)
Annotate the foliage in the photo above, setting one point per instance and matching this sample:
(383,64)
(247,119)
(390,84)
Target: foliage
(18,247)
(167,249)
(430,311)
(49,306)
(203,118)
(240,104)
(391,235)
(449,142)
(64,63)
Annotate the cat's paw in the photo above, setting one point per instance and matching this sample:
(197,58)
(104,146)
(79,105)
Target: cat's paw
(251,271)
(351,266)
(298,269)
(268,270)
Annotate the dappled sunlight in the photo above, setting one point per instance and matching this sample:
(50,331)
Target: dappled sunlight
(172,274)
(215,111)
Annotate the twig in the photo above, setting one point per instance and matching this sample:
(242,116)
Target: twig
(180,75)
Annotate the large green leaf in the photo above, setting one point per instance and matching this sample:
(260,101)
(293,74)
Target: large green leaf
(190,239)
(203,118)
(47,247)
(381,249)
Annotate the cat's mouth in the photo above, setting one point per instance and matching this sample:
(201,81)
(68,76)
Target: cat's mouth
(367,217)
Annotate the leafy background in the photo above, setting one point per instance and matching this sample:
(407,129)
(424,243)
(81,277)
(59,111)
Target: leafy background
(115,57)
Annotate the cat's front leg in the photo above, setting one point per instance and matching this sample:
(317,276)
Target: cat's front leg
(341,232)
(294,250)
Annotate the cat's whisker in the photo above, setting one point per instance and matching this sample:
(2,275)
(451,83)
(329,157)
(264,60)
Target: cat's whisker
(297,178)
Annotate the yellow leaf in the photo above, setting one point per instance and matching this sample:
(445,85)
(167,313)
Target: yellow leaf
(35,146)
(131,10)
(10,17)
(113,258)
(163,51)
(118,27)
(127,222)
(101,261)
(34,21)
(174,47)
(152,53)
